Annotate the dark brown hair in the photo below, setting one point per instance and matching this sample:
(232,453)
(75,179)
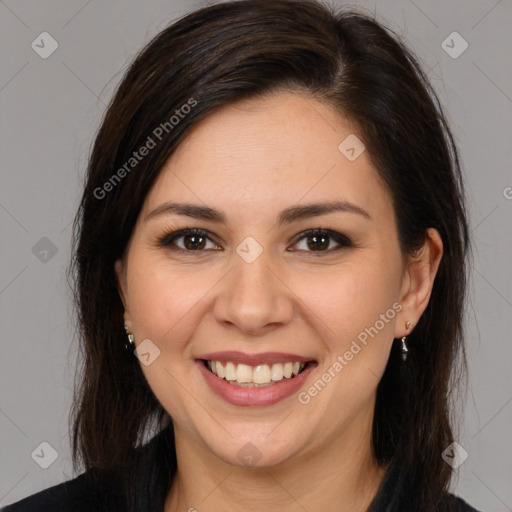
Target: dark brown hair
(235,50)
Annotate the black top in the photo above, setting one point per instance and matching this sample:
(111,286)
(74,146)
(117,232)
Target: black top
(152,472)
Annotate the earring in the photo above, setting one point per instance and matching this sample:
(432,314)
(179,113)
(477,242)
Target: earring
(131,339)
(404,349)
(404,345)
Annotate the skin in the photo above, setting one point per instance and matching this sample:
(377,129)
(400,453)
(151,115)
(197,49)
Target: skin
(251,160)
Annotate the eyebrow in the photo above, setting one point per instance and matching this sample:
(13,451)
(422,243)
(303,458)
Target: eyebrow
(287,216)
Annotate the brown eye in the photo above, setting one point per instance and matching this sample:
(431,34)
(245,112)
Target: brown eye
(319,240)
(194,240)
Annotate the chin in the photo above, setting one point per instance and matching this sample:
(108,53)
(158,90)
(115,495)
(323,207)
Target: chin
(259,451)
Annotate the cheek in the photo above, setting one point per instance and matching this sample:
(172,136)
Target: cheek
(350,298)
(162,298)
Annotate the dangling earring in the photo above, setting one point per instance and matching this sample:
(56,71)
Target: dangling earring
(404,345)
(404,349)
(131,339)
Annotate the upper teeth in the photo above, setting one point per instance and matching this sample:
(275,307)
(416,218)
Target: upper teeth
(261,374)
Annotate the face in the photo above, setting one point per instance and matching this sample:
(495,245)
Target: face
(271,289)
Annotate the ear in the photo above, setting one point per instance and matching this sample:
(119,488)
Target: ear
(418,282)
(122,288)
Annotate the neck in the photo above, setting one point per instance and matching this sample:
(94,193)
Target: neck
(344,472)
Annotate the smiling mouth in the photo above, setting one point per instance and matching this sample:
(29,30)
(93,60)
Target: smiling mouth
(260,376)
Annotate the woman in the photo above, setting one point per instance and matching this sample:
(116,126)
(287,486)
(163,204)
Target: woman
(273,222)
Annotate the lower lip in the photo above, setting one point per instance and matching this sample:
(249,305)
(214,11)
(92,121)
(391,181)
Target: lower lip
(270,395)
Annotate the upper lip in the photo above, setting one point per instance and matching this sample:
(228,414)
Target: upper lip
(254,359)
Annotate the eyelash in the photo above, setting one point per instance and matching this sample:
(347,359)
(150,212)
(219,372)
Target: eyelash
(168,240)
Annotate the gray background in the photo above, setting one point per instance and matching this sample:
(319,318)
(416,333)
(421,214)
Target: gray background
(50,109)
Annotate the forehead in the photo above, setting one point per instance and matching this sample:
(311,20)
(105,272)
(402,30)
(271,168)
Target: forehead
(268,152)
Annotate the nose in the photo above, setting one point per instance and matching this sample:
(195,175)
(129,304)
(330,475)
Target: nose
(254,297)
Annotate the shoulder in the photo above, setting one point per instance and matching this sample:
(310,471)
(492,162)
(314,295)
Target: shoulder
(86,492)
(453,503)
(141,485)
